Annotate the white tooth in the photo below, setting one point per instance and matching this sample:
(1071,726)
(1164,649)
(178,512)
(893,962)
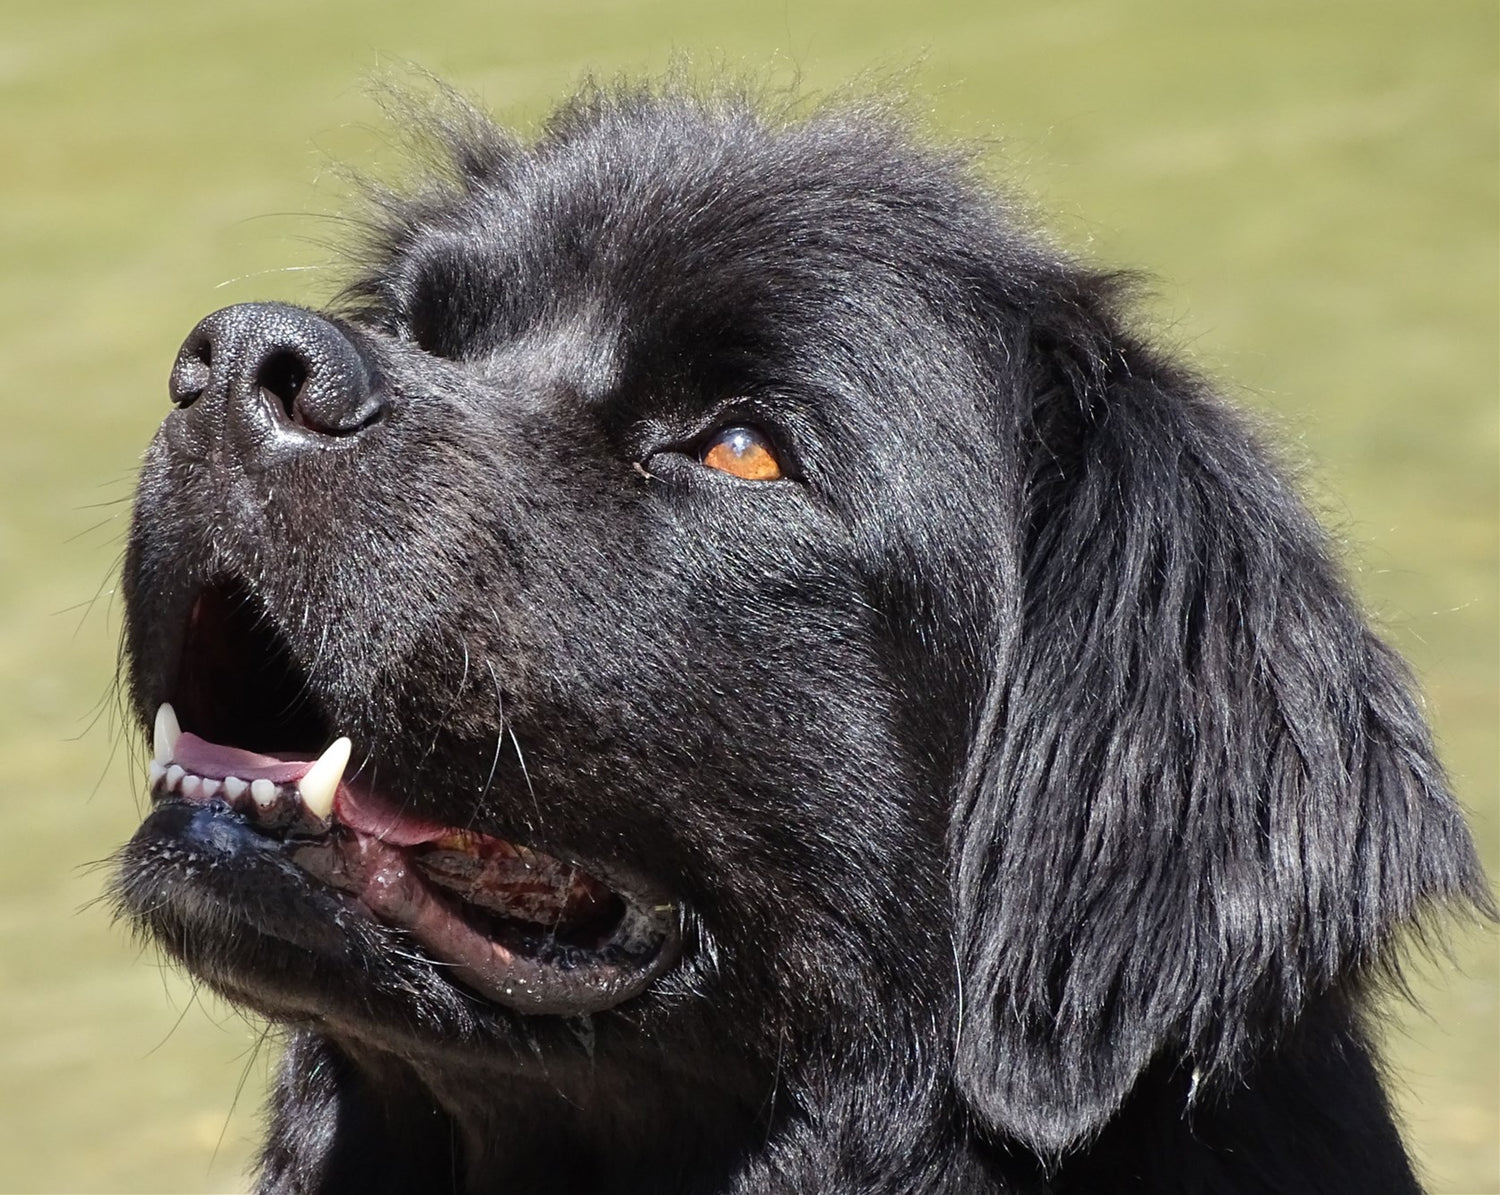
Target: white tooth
(321,782)
(263,792)
(210,787)
(234,787)
(174,774)
(191,785)
(156,771)
(164,737)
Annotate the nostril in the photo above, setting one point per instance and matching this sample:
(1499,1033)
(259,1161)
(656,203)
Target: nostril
(191,372)
(282,375)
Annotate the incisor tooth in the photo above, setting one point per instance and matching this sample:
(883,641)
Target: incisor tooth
(166,733)
(321,782)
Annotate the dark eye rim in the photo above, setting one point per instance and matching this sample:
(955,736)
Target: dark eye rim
(683,462)
(747,413)
(669,445)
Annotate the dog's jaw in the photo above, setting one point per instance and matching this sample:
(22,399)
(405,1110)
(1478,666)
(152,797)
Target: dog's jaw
(526,930)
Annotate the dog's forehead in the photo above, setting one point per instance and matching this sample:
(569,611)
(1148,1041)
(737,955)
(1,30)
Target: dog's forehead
(672,234)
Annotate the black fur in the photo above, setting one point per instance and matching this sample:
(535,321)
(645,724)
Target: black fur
(1041,808)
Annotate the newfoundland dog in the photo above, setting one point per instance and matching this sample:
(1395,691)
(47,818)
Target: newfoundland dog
(723,664)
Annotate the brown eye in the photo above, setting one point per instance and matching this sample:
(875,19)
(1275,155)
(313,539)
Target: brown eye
(742,452)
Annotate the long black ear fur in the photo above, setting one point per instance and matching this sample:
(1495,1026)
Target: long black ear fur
(1202,792)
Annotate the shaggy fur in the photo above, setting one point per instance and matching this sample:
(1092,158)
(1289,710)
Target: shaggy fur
(1039,807)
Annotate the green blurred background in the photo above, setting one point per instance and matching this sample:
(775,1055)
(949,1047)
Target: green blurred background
(1312,184)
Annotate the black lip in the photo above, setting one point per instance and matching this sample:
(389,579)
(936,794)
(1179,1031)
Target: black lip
(213,864)
(196,861)
(544,974)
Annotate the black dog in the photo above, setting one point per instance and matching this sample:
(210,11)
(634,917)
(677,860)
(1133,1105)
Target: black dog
(831,708)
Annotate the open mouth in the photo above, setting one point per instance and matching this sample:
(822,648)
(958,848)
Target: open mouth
(528,930)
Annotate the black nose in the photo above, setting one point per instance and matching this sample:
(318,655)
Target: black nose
(265,380)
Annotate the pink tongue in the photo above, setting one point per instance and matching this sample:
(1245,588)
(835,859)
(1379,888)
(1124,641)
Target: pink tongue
(369,813)
(354,805)
(203,758)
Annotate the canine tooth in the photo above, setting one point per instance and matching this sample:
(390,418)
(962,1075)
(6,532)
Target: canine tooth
(321,782)
(263,792)
(234,787)
(210,787)
(156,771)
(166,733)
(191,784)
(175,774)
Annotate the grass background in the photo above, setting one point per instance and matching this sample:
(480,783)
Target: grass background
(1313,185)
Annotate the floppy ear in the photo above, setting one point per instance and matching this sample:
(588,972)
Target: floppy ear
(1202,792)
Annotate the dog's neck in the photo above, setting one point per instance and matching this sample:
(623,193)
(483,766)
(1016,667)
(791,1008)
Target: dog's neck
(402,1124)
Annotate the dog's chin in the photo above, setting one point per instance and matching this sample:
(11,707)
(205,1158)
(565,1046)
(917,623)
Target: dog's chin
(243,844)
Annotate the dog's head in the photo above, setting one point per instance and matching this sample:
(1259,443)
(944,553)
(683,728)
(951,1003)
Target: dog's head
(768,605)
